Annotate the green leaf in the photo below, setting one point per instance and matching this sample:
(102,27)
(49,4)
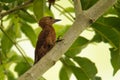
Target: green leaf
(117,7)
(13,57)
(4,7)
(111,11)
(37,31)
(112,22)
(26,16)
(77,46)
(2,75)
(6,43)
(87,66)
(29,32)
(96,78)
(97,38)
(108,32)
(21,67)
(7,1)
(16,25)
(64,73)
(48,12)
(67,62)
(87,3)
(38,8)
(79,73)
(61,29)
(10,75)
(115,59)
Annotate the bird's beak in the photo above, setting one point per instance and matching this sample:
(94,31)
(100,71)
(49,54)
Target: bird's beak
(56,20)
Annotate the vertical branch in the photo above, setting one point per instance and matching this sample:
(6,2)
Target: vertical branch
(78,7)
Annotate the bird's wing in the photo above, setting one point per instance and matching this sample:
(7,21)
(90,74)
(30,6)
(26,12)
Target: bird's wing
(42,38)
(40,46)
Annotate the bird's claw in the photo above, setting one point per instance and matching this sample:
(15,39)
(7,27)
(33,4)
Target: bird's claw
(59,39)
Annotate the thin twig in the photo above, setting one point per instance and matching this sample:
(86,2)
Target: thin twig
(71,2)
(21,40)
(64,14)
(25,4)
(65,10)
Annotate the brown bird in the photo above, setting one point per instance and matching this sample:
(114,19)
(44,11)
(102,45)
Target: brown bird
(51,2)
(46,38)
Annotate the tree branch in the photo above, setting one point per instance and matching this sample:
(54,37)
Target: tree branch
(80,24)
(16,8)
(99,8)
(78,7)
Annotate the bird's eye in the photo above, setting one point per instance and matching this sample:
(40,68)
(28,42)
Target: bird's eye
(51,18)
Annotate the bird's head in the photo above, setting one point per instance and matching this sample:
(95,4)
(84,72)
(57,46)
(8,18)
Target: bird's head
(47,21)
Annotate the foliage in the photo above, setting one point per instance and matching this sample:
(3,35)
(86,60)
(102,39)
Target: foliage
(20,21)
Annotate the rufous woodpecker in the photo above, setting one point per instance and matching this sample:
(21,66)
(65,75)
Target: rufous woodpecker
(47,37)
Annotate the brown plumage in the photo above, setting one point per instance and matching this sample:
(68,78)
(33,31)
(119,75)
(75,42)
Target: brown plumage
(46,38)
(51,2)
